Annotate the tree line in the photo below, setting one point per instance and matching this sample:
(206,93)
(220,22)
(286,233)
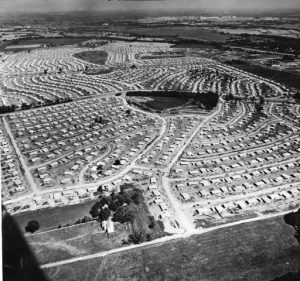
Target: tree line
(208,99)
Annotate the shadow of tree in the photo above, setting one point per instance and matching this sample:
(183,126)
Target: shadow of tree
(19,262)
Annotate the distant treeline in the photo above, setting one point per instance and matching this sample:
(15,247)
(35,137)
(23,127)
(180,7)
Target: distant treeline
(208,99)
(297,97)
(292,219)
(7,108)
(24,106)
(46,103)
(269,43)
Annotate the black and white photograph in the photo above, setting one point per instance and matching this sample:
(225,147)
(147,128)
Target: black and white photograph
(150,140)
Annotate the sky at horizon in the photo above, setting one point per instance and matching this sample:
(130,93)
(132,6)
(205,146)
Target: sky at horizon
(121,5)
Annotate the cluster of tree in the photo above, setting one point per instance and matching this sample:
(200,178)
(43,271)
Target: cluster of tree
(84,220)
(194,43)
(117,205)
(290,276)
(137,238)
(267,43)
(292,219)
(124,214)
(99,119)
(195,73)
(7,108)
(32,226)
(235,61)
(46,103)
(297,96)
(97,71)
(257,101)
(208,99)
(259,104)
(230,97)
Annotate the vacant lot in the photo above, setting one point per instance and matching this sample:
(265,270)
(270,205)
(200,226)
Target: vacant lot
(79,240)
(284,77)
(97,57)
(158,104)
(89,238)
(176,31)
(162,56)
(259,250)
(51,218)
(52,41)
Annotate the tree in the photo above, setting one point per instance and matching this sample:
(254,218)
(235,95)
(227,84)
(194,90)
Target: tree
(32,226)
(124,214)
(100,189)
(113,206)
(113,196)
(104,201)
(123,197)
(136,237)
(137,197)
(104,214)
(148,237)
(293,219)
(297,96)
(95,210)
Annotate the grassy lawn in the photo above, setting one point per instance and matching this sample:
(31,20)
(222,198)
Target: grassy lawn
(97,57)
(89,238)
(161,103)
(51,218)
(259,250)
(284,77)
(79,240)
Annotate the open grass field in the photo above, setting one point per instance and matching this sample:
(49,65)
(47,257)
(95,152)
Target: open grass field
(177,31)
(284,77)
(74,241)
(159,104)
(51,218)
(151,57)
(168,105)
(89,238)
(53,41)
(254,251)
(97,57)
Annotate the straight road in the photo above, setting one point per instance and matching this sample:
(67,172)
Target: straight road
(21,159)
(159,241)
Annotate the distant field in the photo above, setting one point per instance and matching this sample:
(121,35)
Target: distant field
(180,31)
(287,78)
(54,41)
(198,46)
(51,218)
(97,57)
(255,251)
(151,57)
